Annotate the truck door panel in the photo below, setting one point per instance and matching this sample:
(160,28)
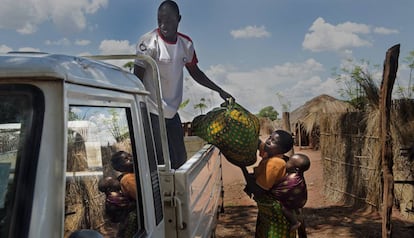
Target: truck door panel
(198,183)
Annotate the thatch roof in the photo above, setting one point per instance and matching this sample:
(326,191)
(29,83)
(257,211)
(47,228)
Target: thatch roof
(308,114)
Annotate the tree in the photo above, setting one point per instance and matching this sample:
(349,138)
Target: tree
(360,87)
(268,112)
(129,65)
(361,83)
(184,103)
(407,92)
(113,123)
(201,105)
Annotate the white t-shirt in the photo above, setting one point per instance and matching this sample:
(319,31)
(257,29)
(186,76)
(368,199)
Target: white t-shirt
(171,57)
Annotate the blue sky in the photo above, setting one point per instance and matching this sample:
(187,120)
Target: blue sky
(256,50)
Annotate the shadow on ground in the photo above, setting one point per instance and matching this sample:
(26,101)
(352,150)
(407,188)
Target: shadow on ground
(237,221)
(342,221)
(324,222)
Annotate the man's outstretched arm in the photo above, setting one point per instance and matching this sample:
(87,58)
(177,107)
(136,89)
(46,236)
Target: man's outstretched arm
(200,77)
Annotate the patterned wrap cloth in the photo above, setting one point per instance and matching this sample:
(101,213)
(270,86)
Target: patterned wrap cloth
(271,223)
(291,191)
(270,220)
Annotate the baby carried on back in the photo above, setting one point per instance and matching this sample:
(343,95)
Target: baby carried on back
(291,190)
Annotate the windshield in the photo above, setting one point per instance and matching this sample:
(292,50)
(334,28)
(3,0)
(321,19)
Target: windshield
(19,108)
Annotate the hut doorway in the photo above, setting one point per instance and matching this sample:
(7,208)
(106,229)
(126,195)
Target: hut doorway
(301,136)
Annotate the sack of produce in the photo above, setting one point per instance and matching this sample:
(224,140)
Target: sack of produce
(232,129)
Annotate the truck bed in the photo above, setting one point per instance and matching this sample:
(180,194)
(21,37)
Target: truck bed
(198,197)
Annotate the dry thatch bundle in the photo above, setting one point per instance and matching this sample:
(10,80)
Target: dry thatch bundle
(309,114)
(403,114)
(402,132)
(341,157)
(84,204)
(351,153)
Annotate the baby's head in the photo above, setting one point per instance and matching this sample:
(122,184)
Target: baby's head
(108,185)
(122,161)
(298,163)
(278,143)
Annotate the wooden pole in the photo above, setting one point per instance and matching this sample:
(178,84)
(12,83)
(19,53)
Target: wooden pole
(388,79)
(286,127)
(300,136)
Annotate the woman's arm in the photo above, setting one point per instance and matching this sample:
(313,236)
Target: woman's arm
(252,188)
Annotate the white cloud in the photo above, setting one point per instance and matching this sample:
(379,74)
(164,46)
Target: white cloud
(298,82)
(346,54)
(352,27)
(403,79)
(330,86)
(29,49)
(27,29)
(116,47)
(82,42)
(60,42)
(385,31)
(250,32)
(220,71)
(5,49)
(66,42)
(84,54)
(312,87)
(94,6)
(323,36)
(68,16)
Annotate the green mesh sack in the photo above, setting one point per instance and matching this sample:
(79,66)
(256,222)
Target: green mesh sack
(233,130)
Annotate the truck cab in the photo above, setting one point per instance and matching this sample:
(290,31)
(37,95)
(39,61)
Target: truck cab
(63,119)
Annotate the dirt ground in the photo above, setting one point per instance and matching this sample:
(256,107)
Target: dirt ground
(323,218)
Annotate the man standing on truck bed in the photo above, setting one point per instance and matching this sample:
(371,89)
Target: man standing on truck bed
(172,51)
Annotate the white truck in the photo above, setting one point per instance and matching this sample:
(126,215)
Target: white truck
(61,119)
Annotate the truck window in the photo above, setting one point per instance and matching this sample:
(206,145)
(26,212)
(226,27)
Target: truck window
(21,118)
(101,175)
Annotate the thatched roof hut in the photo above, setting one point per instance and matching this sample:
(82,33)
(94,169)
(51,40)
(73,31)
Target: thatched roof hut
(305,119)
(308,114)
